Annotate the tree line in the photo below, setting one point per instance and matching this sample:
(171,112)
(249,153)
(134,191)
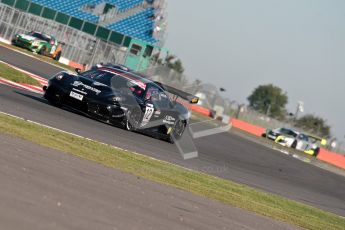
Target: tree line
(272,101)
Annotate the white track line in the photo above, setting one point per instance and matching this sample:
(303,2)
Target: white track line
(110,145)
(31,88)
(42,80)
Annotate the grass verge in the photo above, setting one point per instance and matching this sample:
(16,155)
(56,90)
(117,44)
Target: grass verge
(40,57)
(162,172)
(16,76)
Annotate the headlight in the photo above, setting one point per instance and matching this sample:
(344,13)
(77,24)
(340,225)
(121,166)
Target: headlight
(59,77)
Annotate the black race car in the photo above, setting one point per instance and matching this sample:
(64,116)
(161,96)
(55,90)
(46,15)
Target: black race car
(119,96)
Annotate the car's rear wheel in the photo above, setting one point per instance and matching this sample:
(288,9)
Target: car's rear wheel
(294,144)
(177,131)
(316,152)
(57,57)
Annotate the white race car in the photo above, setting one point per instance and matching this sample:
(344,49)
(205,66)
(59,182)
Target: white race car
(293,139)
(283,136)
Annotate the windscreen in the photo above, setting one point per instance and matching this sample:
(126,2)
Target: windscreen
(288,132)
(40,36)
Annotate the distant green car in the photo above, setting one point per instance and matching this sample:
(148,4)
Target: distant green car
(39,43)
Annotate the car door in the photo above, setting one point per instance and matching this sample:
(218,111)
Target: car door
(158,107)
(150,106)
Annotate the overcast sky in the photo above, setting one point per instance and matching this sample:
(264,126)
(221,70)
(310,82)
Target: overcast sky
(298,45)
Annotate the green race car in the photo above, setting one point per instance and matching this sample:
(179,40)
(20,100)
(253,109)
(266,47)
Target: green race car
(39,43)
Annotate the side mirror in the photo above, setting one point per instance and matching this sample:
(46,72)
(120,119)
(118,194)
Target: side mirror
(77,70)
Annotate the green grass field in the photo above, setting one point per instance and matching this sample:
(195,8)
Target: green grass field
(165,173)
(16,76)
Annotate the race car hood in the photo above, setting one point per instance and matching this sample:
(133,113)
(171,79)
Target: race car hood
(88,88)
(95,88)
(87,85)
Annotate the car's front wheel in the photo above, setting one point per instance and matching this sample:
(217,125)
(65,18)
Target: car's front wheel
(42,50)
(294,144)
(316,152)
(14,41)
(57,57)
(132,120)
(51,98)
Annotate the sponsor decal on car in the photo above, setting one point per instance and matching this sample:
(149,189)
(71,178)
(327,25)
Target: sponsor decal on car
(80,91)
(169,120)
(79,83)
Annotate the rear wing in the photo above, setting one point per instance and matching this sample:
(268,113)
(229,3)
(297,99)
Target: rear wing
(179,93)
(322,140)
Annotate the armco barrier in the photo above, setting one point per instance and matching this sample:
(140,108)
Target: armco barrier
(76,65)
(244,126)
(249,128)
(331,158)
(201,110)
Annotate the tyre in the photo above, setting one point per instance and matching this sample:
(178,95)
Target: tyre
(294,144)
(53,100)
(57,57)
(132,120)
(177,131)
(316,152)
(42,50)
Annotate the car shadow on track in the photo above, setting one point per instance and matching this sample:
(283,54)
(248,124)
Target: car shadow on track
(40,99)
(44,101)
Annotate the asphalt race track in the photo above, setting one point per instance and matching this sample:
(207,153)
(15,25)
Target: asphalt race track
(45,189)
(225,155)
